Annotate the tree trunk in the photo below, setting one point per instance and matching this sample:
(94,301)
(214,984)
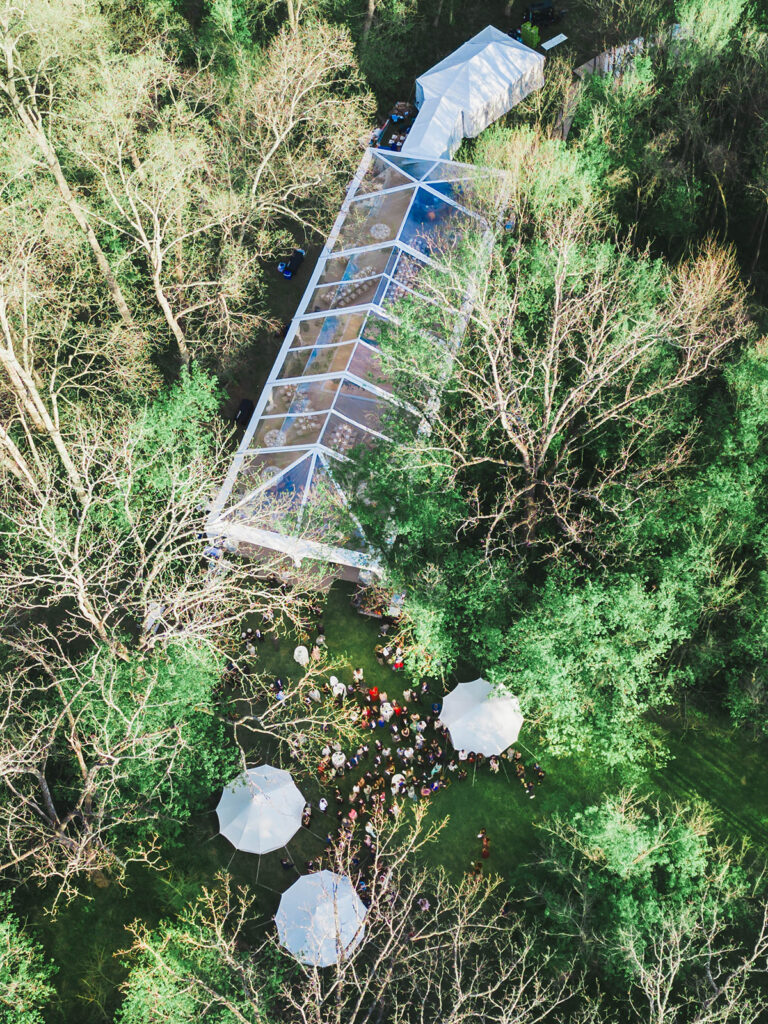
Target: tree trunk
(760,238)
(30,401)
(14,461)
(38,136)
(371,10)
(293,16)
(171,320)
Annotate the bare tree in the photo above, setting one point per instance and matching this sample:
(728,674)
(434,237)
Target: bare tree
(120,563)
(71,740)
(200,178)
(282,121)
(30,63)
(145,137)
(295,10)
(693,970)
(465,958)
(301,721)
(564,403)
(49,351)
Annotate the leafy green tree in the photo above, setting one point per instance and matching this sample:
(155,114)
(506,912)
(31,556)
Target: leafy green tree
(591,660)
(650,894)
(102,756)
(25,974)
(667,145)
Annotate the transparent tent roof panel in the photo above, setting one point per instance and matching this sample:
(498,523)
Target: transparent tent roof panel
(329,330)
(381,175)
(355,266)
(374,219)
(314,362)
(327,393)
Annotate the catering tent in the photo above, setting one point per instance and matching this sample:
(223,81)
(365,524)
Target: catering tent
(321,918)
(260,810)
(438,129)
(469,89)
(482,718)
(327,394)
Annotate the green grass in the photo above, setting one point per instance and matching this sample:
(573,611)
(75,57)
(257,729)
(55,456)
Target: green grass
(709,760)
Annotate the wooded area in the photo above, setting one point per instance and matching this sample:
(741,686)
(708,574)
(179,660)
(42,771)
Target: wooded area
(585,519)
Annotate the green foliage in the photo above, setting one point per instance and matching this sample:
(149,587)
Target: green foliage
(157,712)
(590,661)
(459,609)
(710,27)
(545,177)
(630,161)
(639,869)
(25,974)
(667,144)
(173,431)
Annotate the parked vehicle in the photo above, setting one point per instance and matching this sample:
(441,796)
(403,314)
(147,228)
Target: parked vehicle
(542,13)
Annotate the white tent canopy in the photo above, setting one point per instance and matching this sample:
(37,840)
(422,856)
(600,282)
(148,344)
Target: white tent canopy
(320,918)
(469,89)
(438,130)
(260,810)
(481,718)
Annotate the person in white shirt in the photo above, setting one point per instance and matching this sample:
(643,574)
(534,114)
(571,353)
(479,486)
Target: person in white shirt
(322,803)
(462,755)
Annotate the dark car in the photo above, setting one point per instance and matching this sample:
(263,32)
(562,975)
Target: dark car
(543,13)
(289,267)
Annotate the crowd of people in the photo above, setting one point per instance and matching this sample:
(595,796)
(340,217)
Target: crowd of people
(404,754)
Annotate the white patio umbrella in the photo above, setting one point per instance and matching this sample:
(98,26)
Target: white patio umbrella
(320,918)
(260,810)
(481,718)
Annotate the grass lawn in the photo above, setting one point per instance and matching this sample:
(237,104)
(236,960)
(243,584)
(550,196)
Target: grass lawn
(709,761)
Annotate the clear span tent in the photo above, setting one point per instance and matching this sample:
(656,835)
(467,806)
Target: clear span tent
(326,393)
(260,810)
(469,89)
(481,718)
(320,918)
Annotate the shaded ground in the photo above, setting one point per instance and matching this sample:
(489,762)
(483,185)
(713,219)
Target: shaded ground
(244,375)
